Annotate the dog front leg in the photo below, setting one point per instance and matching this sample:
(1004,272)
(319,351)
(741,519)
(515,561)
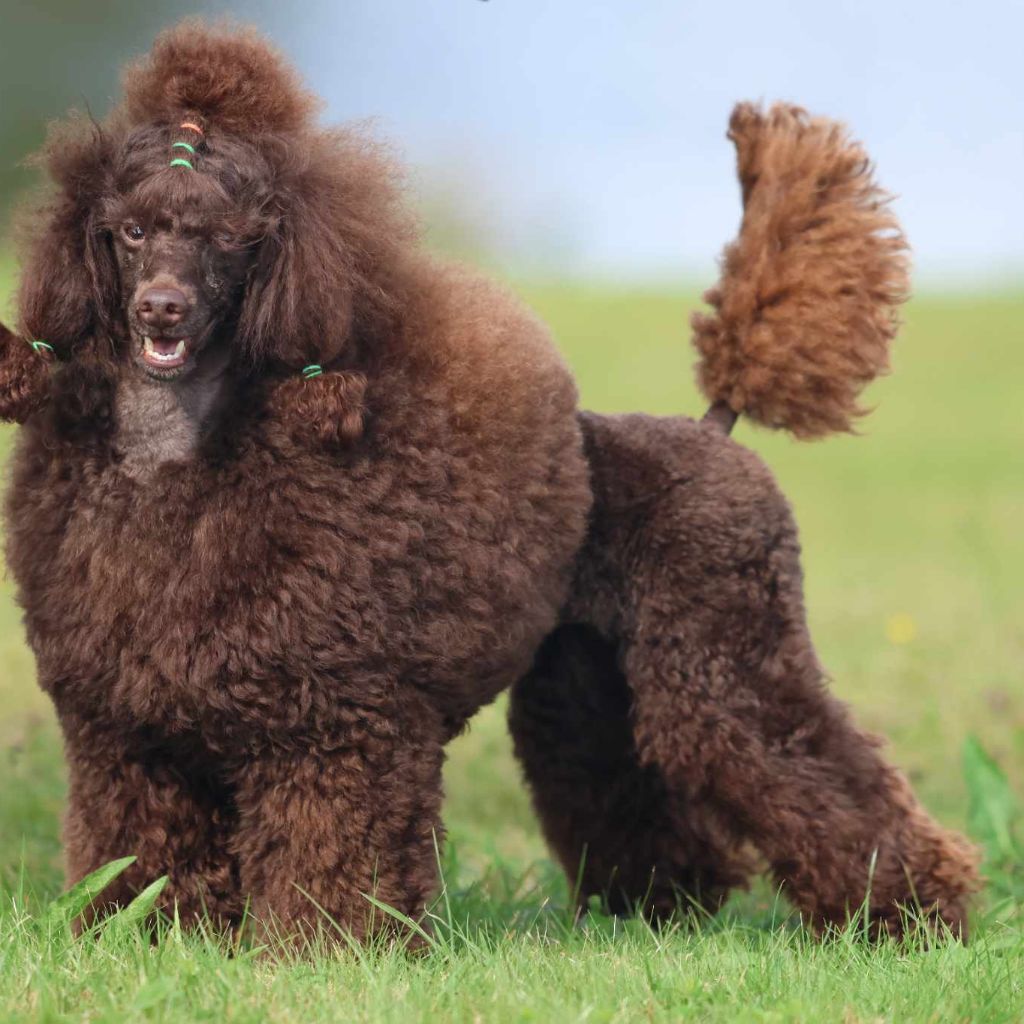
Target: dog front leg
(128,799)
(330,821)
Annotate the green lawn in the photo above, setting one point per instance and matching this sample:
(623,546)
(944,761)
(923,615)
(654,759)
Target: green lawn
(914,552)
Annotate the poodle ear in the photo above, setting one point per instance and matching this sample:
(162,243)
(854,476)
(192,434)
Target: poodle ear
(69,281)
(298,304)
(68,288)
(324,290)
(327,407)
(298,314)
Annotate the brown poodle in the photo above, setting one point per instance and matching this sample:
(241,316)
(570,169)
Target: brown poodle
(292,500)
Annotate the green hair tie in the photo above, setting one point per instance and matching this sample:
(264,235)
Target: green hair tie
(184,145)
(311,371)
(38,346)
(181,163)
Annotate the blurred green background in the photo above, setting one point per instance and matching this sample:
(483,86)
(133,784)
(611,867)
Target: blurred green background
(912,532)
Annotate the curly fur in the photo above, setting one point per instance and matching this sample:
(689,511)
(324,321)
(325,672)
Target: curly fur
(324,206)
(332,411)
(806,307)
(686,620)
(24,377)
(258,648)
(228,76)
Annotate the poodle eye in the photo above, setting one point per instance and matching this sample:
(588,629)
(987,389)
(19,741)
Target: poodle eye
(135,233)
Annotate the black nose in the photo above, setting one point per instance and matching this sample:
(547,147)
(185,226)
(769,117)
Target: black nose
(162,308)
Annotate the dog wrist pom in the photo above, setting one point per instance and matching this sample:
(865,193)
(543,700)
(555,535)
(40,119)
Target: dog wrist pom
(24,375)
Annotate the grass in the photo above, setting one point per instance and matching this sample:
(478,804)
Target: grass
(914,554)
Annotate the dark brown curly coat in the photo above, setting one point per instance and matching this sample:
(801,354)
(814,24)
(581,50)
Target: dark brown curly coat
(260,625)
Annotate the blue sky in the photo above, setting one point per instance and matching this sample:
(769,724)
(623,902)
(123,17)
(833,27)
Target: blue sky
(589,136)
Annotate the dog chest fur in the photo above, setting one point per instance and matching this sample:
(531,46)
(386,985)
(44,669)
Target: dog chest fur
(158,423)
(264,591)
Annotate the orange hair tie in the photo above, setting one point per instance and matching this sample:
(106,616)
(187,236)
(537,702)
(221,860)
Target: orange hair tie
(190,124)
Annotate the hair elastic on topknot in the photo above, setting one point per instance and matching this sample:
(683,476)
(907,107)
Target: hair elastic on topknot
(179,160)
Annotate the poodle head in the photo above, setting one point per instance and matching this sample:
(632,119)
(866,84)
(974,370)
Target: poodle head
(180,227)
(210,220)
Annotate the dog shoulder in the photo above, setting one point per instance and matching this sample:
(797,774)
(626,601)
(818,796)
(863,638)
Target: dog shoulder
(485,355)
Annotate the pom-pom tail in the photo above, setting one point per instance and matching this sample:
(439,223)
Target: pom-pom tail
(805,310)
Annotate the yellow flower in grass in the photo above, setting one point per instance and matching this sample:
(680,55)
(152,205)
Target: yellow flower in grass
(900,629)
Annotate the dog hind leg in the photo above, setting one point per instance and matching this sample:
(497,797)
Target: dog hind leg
(699,553)
(609,819)
(730,706)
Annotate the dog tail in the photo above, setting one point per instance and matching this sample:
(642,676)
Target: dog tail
(806,306)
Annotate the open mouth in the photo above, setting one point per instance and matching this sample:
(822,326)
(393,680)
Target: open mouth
(164,358)
(165,353)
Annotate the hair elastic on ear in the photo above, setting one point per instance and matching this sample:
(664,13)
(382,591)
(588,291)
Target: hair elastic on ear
(184,145)
(178,162)
(311,371)
(40,346)
(192,125)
